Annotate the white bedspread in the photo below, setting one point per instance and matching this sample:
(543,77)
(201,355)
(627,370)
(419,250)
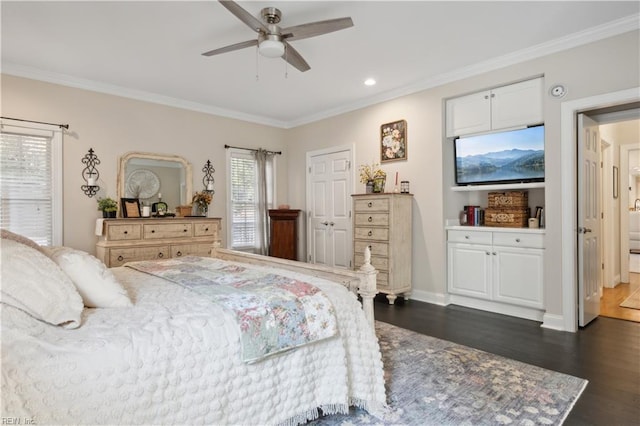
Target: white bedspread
(174,359)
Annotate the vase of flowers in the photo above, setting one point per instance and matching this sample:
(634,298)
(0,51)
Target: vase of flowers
(373,177)
(201,201)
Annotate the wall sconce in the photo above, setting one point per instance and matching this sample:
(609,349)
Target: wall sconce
(90,174)
(207,180)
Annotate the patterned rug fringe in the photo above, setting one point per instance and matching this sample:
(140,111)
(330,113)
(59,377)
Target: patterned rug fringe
(314,413)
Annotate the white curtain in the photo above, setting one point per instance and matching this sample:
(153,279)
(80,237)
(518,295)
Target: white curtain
(264,163)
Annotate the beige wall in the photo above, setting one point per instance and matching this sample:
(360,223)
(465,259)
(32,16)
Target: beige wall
(113,125)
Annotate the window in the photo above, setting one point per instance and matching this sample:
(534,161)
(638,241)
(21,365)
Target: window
(245,220)
(31,181)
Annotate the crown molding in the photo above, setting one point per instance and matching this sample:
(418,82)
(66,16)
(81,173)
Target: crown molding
(600,32)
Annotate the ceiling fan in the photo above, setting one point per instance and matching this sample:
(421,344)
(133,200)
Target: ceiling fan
(273,41)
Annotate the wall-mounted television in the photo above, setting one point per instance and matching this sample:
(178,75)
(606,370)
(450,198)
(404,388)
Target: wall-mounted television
(514,156)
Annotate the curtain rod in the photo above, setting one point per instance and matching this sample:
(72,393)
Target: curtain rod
(62,126)
(251,149)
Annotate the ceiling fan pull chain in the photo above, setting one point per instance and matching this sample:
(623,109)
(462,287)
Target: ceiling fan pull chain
(257,66)
(286,62)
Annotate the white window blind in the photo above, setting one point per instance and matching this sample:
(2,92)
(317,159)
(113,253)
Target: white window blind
(30,183)
(243,202)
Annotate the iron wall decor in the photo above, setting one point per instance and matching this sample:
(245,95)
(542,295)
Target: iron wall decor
(90,173)
(208,180)
(393,141)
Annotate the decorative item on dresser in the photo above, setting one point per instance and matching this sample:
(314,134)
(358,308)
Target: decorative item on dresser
(284,233)
(382,222)
(126,240)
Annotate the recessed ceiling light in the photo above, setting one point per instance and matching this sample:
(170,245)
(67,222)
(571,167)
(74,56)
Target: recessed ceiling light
(369,82)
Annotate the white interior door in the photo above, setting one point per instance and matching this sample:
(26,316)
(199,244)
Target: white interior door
(589,263)
(329,187)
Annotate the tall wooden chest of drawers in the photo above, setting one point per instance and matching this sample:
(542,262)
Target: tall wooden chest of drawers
(127,240)
(383,222)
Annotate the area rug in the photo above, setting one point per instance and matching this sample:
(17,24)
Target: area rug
(431,381)
(633,301)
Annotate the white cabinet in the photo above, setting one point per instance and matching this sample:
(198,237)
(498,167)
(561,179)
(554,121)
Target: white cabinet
(504,267)
(382,222)
(514,105)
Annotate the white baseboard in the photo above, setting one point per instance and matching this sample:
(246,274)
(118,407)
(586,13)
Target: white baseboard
(553,322)
(497,307)
(429,297)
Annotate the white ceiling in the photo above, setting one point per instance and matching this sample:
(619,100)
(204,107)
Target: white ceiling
(151,50)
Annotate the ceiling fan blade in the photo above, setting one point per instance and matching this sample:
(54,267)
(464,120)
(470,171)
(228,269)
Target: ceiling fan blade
(231,47)
(313,29)
(292,56)
(244,16)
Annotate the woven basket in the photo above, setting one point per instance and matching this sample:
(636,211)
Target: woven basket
(182,211)
(509,200)
(507,218)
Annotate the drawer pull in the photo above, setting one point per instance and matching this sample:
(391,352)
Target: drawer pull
(120,258)
(160,255)
(517,240)
(206,229)
(370,219)
(126,232)
(466,237)
(184,230)
(369,204)
(370,233)
(179,253)
(153,231)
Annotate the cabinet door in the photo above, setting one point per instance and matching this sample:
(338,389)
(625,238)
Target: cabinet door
(468,114)
(469,270)
(518,104)
(518,276)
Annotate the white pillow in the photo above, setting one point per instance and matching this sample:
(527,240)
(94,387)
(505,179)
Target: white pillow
(34,283)
(95,282)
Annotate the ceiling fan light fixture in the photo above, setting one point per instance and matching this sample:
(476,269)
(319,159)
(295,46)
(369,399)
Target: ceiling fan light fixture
(271,48)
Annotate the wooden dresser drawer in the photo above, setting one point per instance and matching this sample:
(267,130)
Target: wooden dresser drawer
(180,250)
(124,232)
(470,236)
(372,205)
(167,230)
(120,256)
(380,263)
(372,219)
(514,239)
(207,229)
(377,248)
(372,233)
(382,280)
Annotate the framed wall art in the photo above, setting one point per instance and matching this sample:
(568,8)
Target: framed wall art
(393,141)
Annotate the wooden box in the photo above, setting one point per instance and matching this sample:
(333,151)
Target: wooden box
(507,218)
(183,211)
(509,200)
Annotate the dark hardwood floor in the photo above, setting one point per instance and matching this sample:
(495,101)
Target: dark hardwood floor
(606,352)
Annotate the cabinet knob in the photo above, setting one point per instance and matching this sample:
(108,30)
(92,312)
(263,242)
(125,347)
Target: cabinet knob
(370,233)
(179,253)
(206,229)
(517,240)
(466,237)
(369,204)
(370,219)
(184,230)
(487,253)
(126,232)
(494,253)
(160,255)
(153,231)
(120,258)
(486,96)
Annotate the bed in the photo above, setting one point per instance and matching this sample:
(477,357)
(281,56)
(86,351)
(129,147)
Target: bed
(152,351)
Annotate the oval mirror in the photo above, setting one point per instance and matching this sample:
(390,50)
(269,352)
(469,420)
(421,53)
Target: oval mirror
(148,176)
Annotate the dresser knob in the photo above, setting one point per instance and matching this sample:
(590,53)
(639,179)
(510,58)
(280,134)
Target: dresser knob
(517,240)
(184,230)
(126,232)
(153,231)
(179,254)
(370,204)
(370,219)
(206,229)
(160,255)
(370,233)
(120,258)
(466,237)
